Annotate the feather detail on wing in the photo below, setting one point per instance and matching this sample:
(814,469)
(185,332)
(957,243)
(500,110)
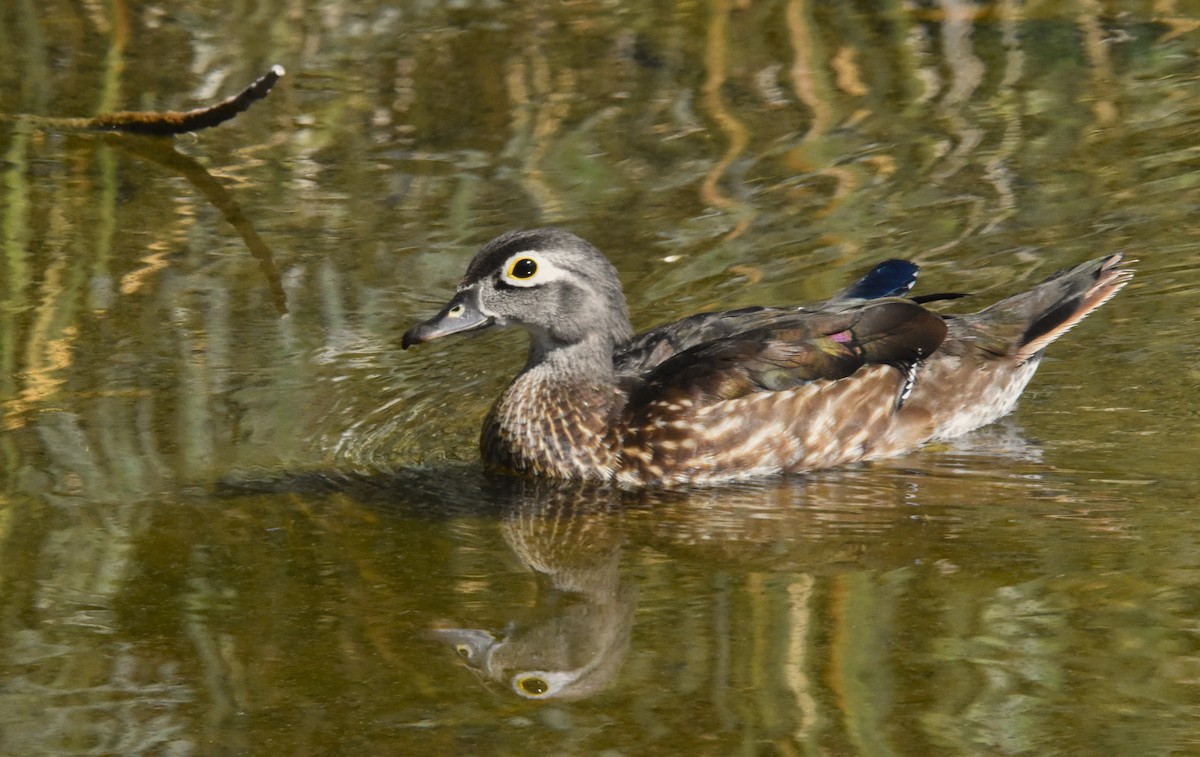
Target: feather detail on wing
(794,351)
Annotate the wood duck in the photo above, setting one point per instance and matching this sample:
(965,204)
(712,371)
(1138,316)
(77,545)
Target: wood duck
(722,396)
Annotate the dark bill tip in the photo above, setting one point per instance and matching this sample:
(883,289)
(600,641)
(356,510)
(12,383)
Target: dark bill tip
(459,316)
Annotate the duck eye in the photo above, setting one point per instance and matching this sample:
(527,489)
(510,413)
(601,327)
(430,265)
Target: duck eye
(523,268)
(533,686)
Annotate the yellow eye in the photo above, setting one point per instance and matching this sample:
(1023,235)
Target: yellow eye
(533,686)
(523,268)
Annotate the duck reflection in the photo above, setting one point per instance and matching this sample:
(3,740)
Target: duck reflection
(568,535)
(795,589)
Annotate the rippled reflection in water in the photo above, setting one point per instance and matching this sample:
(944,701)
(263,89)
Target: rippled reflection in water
(236,518)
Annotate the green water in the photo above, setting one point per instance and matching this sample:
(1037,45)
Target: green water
(228,306)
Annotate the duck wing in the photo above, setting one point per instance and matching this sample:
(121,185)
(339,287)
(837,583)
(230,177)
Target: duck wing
(811,390)
(785,349)
(891,278)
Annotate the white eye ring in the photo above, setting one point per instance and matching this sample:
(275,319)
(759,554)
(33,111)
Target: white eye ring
(527,269)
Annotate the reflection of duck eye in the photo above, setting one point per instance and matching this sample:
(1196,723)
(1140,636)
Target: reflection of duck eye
(534,686)
(523,268)
(463,650)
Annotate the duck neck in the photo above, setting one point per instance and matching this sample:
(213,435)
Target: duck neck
(588,361)
(556,417)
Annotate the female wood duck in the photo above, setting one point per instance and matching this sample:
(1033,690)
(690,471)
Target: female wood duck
(743,393)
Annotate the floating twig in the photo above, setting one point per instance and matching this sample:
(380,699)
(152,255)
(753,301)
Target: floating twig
(169,122)
(161,123)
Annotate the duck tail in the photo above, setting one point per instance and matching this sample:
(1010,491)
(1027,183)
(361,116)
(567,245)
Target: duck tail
(1053,307)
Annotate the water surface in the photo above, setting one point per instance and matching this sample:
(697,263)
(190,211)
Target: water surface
(227,307)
